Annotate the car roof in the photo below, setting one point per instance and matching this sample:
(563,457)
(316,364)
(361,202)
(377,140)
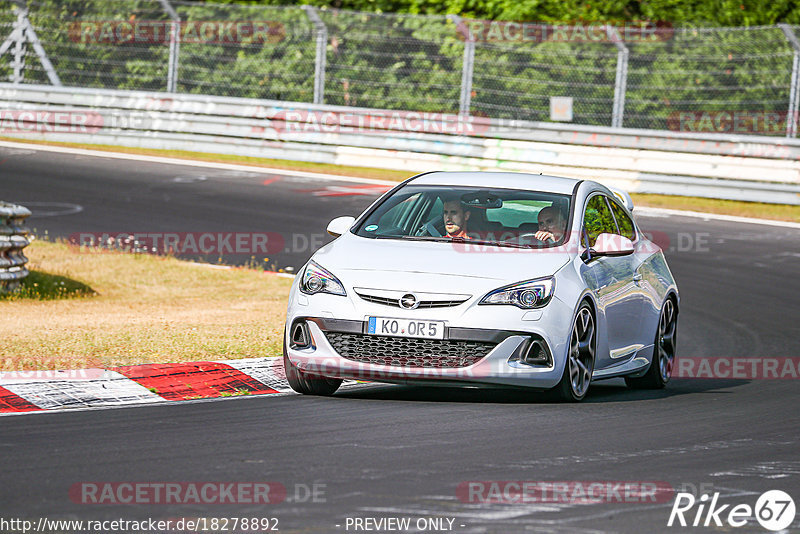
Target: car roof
(507,180)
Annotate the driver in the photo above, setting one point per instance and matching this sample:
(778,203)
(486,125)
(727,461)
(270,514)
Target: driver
(455,219)
(551,225)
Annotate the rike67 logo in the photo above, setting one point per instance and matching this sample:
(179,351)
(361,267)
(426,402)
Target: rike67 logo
(774,510)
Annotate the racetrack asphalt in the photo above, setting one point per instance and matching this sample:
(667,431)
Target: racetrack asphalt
(398,451)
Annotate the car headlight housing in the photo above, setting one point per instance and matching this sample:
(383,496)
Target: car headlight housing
(527,295)
(318,280)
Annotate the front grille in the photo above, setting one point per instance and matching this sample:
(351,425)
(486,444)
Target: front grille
(408,352)
(423,304)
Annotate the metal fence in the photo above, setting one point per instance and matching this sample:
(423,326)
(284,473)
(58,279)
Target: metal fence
(715,80)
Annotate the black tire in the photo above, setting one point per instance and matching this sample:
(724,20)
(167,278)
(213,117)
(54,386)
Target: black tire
(307,383)
(660,370)
(578,368)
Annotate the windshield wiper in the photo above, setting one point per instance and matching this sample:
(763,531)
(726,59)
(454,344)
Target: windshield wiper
(424,238)
(461,240)
(497,243)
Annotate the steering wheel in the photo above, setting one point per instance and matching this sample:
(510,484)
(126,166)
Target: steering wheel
(533,235)
(429,228)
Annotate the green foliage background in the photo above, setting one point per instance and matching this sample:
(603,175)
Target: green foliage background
(405,54)
(678,12)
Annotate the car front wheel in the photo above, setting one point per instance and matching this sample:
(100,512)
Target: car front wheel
(308,383)
(580,360)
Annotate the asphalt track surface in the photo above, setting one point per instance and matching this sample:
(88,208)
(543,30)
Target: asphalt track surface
(397,451)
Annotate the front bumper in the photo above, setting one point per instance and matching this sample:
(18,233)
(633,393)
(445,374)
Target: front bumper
(500,363)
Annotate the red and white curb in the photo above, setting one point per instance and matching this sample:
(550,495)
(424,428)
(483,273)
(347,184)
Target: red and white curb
(32,391)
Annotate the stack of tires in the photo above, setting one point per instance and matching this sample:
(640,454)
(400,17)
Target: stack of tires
(13,239)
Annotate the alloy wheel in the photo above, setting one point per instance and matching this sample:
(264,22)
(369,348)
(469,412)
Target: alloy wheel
(581,352)
(666,340)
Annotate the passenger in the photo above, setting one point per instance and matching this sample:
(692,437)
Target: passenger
(551,225)
(455,219)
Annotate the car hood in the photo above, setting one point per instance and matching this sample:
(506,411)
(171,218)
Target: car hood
(434,266)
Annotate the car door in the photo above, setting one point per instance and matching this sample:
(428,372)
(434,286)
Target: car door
(647,296)
(615,292)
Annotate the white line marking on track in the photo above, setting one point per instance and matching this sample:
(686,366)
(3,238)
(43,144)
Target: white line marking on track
(480,512)
(769,470)
(191,163)
(665,212)
(650,212)
(610,457)
(190,179)
(51,209)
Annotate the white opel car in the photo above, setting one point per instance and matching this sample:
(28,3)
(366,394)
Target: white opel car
(485,279)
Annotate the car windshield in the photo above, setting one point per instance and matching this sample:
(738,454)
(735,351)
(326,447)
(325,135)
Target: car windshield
(503,217)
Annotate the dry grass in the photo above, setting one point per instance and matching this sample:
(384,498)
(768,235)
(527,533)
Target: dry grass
(146,309)
(290,165)
(778,212)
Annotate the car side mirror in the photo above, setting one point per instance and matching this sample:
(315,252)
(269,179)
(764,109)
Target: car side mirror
(340,225)
(612,245)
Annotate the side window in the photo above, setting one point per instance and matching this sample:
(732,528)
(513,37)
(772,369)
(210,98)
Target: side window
(437,209)
(598,219)
(397,216)
(624,222)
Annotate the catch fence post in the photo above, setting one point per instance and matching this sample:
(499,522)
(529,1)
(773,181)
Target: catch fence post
(174,46)
(467,65)
(321,36)
(621,80)
(791,115)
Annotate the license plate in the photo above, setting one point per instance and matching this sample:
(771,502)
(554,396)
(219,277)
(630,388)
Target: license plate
(387,326)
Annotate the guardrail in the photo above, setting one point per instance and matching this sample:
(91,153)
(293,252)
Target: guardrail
(13,238)
(753,168)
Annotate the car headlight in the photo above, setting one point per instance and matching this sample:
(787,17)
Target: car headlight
(526,295)
(318,280)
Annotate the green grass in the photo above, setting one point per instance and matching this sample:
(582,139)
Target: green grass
(40,285)
(235,393)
